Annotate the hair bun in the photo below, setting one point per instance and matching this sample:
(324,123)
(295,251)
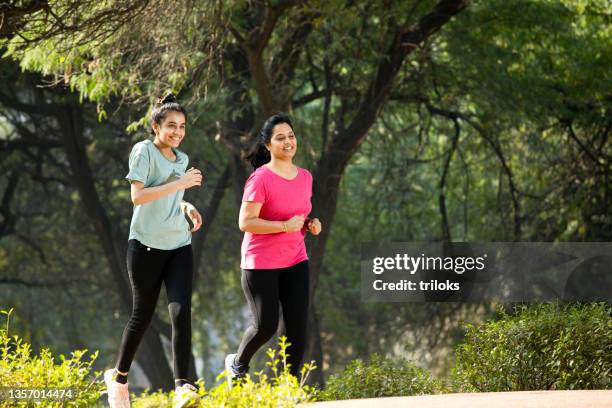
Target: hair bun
(169,98)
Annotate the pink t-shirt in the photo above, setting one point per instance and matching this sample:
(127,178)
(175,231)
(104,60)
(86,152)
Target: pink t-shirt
(281,199)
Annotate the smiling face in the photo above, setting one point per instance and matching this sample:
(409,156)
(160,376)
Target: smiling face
(283,143)
(171,131)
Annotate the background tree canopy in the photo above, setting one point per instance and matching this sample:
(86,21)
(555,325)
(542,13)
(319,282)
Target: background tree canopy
(420,120)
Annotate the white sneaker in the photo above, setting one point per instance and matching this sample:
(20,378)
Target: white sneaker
(233,374)
(185,396)
(229,370)
(118,395)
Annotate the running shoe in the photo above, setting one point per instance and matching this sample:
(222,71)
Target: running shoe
(185,396)
(118,395)
(232,372)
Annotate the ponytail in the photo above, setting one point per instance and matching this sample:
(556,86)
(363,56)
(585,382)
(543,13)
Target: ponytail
(259,155)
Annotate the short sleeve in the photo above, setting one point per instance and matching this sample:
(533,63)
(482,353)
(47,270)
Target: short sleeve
(309,178)
(139,164)
(254,188)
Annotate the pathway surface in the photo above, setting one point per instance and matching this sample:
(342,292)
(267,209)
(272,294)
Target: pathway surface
(519,399)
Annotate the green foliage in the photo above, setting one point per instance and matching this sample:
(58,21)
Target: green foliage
(539,348)
(380,377)
(281,389)
(116,56)
(19,368)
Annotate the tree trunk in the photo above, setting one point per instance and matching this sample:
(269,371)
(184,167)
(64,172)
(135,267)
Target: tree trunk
(326,179)
(208,216)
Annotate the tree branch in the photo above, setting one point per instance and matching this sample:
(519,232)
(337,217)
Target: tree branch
(404,42)
(584,149)
(24,282)
(254,48)
(446,234)
(210,213)
(285,61)
(306,99)
(239,38)
(498,152)
(7,226)
(11,16)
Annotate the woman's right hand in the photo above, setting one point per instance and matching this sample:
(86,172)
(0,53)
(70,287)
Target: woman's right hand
(191,178)
(295,223)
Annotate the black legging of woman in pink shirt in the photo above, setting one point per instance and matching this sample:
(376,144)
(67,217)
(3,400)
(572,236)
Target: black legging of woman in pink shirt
(264,290)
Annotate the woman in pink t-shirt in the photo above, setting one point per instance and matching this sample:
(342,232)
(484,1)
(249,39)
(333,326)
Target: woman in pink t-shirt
(274,263)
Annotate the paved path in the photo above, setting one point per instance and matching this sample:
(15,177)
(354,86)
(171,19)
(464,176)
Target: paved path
(519,399)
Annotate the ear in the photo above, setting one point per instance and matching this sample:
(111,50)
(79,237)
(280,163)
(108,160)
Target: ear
(155,127)
(268,146)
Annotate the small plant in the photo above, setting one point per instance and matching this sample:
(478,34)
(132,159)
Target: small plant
(280,390)
(542,347)
(380,377)
(19,369)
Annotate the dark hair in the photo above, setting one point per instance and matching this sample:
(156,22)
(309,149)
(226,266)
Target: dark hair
(260,155)
(161,108)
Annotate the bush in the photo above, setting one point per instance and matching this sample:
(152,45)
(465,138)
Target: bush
(380,377)
(280,390)
(542,347)
(19,368)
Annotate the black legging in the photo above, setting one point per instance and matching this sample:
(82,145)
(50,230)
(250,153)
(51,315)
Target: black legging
(148,268)
(264,289)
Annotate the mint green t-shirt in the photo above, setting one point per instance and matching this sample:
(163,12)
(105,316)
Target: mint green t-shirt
(160,223)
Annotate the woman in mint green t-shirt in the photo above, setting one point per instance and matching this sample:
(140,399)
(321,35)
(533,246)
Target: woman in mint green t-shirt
(159,247)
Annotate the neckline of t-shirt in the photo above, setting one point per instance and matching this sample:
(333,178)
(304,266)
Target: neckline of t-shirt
(284,178)
(175,151)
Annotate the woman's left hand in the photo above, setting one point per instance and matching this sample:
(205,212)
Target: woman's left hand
(193,214)
(314,226)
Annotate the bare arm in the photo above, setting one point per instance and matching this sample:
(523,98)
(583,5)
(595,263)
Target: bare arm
(194,215)
(249,221)
(142,195)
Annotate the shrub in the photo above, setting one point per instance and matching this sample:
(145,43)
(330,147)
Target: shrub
(543,347)
(280,390)
(380,377)
(19,368)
